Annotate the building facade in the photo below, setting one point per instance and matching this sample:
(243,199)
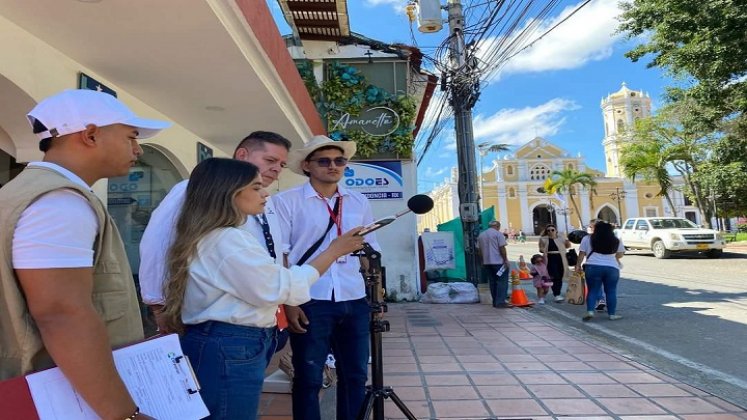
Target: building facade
(514,184)
(222,72)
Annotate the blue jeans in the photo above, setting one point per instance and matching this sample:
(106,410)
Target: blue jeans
(498,284)
(343,327)
(598,276)
(229,361)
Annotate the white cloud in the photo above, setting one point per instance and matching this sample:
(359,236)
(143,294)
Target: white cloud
(431,173)
(375,3)
(589,35)
(518,126)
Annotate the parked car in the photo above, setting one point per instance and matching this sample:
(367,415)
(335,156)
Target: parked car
(667,235)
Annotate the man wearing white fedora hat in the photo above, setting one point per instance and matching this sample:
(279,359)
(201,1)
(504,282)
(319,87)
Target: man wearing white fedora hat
(337,317)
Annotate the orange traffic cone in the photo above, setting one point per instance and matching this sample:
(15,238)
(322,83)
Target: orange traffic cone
(518,297)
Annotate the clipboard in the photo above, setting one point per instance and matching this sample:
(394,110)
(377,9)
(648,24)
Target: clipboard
(156,372)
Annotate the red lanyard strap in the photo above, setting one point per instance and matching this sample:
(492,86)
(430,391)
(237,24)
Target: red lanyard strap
(335,214)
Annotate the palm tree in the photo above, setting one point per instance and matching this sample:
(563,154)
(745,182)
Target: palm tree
(486,147)
(483,149)
(648,158)
(566,180)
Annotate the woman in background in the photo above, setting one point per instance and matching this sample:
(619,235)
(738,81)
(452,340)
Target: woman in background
(602,250)
(224,288)
(553,249)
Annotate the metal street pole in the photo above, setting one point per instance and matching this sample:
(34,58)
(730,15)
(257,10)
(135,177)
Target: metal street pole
(463,97)
(618,195)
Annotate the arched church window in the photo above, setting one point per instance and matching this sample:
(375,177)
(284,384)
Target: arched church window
(511,193)
(620,126)
(509,170)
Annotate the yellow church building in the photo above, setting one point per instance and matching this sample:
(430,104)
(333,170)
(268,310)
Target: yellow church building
(513,185)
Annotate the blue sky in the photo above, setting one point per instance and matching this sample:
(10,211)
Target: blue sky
(552,89)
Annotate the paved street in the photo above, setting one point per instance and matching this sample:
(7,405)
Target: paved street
(686,315)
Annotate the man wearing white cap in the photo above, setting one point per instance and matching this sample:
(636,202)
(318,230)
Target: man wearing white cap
(67,292)
(337,317)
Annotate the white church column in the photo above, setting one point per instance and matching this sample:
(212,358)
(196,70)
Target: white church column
(526,216)
(502,206)
(585,207)
(631,202)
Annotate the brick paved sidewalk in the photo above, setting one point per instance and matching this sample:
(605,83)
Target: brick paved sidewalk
(478,362)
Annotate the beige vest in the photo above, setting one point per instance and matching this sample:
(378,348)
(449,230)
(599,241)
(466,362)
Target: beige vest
(544,244)
(114,296)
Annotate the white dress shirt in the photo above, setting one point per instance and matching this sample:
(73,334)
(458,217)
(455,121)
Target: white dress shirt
(304,216)
(57,230)
(159,235)
(233,279)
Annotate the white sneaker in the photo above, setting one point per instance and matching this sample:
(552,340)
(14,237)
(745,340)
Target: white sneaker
(541,301)
(589,315)
(559,298)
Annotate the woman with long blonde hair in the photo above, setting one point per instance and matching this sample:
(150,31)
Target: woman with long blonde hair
(224,289)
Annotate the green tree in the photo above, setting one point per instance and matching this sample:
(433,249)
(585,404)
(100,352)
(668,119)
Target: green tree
(704,41)
(703,44)
(672,138)
(722,175)
(646,157)
(568,181)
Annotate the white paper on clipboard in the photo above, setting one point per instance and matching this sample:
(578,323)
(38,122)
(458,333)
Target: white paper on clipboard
(155,372)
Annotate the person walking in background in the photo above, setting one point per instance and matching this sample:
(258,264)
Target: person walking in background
(601,303)
(491,243)
(224,288)
(602,251)
(553,248)
(68,294)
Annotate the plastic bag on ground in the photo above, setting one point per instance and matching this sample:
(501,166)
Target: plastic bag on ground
(458,292)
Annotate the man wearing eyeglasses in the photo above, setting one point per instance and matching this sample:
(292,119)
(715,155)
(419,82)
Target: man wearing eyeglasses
(337,317)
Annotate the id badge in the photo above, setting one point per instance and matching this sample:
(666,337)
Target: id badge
(342,260)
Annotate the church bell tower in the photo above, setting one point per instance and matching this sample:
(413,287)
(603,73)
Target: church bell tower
(620,110)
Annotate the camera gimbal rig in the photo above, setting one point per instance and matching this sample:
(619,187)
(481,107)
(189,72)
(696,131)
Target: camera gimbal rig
(376,392)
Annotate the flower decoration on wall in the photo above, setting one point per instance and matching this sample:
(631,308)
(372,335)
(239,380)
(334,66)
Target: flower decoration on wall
(346,91)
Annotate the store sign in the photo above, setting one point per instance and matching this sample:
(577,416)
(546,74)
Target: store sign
(377,180)
(378,121)
(138,180)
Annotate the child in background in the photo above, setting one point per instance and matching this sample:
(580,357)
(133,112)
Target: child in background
(540,277)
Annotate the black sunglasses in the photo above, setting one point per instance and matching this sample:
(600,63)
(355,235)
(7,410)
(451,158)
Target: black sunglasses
(326,162)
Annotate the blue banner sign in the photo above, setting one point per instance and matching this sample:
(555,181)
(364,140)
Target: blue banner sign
(377,180)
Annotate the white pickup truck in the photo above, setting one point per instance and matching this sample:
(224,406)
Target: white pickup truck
(665,235)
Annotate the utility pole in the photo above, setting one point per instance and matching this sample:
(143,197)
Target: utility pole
(464,93)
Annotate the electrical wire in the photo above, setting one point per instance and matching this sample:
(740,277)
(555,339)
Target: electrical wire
(495,31)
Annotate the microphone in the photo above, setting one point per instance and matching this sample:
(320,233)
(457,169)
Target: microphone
(418,204)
